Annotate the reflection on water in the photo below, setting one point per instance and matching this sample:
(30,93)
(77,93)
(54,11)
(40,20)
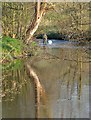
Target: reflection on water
(64,75)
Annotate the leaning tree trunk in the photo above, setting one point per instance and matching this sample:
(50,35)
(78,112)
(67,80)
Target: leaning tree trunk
(39,12)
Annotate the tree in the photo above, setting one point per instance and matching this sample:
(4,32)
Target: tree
(39,12)
(16,17)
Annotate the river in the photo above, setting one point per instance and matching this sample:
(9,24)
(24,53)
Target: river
(63,72)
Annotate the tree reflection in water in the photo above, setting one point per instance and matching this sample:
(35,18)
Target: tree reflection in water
(39,90)
(55,84)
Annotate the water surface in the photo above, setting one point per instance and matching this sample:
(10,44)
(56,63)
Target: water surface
(63,71)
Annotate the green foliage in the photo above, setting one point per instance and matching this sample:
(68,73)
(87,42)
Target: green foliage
(14,65)
(11,47)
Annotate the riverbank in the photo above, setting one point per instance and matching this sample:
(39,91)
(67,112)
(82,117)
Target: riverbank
(14,49)
(80,37)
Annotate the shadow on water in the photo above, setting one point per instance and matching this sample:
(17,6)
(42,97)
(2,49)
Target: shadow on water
(53,35)
(54,84)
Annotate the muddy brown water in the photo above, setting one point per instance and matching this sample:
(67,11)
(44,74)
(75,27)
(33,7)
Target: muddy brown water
(64,75)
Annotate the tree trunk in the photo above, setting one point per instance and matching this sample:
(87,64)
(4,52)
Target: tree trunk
(39,12)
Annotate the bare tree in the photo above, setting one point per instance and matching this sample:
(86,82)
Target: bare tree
(39,12)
